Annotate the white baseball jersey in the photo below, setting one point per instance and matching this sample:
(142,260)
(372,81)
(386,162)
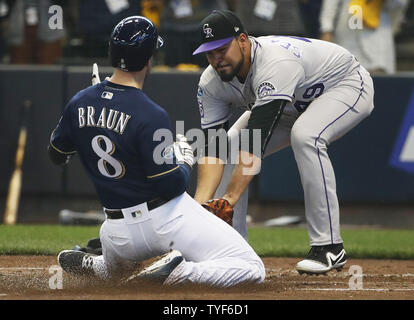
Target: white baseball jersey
(282,67)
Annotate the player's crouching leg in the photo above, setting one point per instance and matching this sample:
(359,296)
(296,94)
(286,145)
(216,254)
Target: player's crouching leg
(224,272)
(257,271)
(261,272)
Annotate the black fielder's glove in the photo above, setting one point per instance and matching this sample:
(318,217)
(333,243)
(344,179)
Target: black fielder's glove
(221,208)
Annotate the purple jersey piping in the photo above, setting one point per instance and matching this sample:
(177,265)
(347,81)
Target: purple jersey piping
(319,157)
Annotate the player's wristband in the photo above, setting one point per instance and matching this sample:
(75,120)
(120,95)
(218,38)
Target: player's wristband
(57,157)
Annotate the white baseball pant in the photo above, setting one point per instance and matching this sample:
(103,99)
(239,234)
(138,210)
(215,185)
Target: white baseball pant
(215,254)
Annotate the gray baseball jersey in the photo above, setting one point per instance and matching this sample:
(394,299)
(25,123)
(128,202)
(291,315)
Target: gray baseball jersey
(290,68)
(328,94)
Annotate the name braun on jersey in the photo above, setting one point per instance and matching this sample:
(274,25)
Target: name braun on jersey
(112,119)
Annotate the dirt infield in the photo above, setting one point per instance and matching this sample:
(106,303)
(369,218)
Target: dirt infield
(36,277)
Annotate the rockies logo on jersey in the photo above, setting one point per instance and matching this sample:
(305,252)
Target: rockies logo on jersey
(208,31)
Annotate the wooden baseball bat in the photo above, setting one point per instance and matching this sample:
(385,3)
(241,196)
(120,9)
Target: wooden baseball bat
(13,196)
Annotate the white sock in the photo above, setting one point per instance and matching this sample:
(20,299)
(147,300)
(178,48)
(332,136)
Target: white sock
(100,268)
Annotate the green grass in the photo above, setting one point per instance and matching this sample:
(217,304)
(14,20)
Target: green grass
(43,239)
(359,243)
(278,242)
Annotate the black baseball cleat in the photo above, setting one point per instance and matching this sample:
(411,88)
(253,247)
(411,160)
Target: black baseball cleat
(160,269)
(94,246)
(322,259)
(76,262)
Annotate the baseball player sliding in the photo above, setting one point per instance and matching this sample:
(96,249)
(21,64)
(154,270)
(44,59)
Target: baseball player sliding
(111,126)
(301,92)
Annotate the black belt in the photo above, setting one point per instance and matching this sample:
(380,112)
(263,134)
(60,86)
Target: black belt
(152,204)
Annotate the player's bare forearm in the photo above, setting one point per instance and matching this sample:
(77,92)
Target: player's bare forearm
(249,165)
(209,173)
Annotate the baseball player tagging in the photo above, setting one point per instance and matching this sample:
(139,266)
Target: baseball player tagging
(301,92)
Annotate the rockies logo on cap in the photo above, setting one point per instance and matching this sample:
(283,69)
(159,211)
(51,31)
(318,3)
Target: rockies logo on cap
(208,31)
(225,25)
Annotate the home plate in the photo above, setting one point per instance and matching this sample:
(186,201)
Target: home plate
(282,221)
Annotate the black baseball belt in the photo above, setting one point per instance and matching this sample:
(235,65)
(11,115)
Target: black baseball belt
(152,204)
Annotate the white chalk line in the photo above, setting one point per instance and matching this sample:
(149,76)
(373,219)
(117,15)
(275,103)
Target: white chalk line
(281,272)
(18,271)
(23,268)
(356,290)
(312,283)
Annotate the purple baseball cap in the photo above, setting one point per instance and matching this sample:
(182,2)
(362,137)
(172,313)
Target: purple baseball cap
(218,29)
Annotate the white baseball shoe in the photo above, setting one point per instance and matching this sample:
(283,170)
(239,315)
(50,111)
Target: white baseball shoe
(160,269)
(322,259)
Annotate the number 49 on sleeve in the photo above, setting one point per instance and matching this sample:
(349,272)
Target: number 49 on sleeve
(312,92)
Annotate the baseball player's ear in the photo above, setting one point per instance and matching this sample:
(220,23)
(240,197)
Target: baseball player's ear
(243,39)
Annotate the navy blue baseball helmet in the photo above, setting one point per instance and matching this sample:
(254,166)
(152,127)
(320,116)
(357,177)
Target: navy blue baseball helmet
(132,43)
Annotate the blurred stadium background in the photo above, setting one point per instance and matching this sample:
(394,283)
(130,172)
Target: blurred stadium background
(374,163)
